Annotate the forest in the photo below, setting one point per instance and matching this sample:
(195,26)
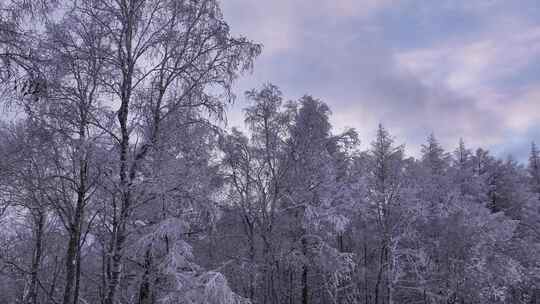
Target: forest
(120,181)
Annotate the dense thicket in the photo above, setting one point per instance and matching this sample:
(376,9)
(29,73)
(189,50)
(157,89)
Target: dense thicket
(117,184)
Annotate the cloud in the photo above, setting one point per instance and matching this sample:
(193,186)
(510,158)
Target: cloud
(482,71)
(469,65)
(271,24)
(352,8)
(457,68)
(522,112)
(280,24)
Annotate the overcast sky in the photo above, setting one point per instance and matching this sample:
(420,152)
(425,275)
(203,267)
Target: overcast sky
(465,69)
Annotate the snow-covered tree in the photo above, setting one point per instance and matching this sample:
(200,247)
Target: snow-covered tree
(534,167)
(120,183)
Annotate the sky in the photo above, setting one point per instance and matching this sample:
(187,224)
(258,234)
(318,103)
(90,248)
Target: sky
(457,68)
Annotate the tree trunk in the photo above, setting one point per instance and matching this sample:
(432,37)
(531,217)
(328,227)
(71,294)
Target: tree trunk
(252,261)
(73,253)
(125,172)
(379,275)
(305,272)
(305,290)
(71,266)
(389,270)
(145,290)
(115,265)
(31,297)
(119,223)
(366,287)
(77,278)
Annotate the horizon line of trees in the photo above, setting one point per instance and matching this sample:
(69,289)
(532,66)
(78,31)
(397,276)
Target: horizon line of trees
(118,185)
